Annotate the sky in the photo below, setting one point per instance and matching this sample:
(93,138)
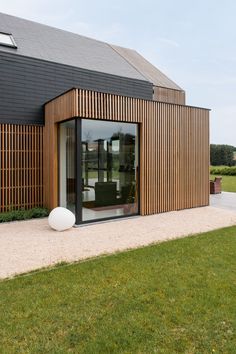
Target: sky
(192,42)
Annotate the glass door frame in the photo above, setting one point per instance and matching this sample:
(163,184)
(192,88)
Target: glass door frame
(78,173)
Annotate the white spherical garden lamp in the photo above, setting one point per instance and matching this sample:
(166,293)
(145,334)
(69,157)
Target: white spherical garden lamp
(61,219)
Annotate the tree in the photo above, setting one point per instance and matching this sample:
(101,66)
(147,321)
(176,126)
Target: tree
(222,155)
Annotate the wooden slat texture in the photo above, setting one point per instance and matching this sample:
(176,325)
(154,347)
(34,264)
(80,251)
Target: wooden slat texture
(59,109)
(63,107)
(174,148)
(21,152)
(163,94)
(176,156)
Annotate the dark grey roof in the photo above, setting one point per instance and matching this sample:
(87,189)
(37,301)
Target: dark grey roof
(47,43)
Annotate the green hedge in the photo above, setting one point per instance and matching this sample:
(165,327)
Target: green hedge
(223,170)
(23,214)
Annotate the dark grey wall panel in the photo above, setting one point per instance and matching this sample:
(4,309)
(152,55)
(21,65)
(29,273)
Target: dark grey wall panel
(27,83)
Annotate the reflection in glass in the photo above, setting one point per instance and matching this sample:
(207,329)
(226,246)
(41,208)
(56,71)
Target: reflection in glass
(67,170)
(109,169)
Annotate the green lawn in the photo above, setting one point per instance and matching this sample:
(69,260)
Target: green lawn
(228,183)
(175,297)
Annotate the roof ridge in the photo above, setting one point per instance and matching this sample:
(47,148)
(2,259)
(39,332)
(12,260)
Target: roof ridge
(135,67)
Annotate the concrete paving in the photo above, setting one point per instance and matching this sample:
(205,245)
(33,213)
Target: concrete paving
(32,244)
(224,200)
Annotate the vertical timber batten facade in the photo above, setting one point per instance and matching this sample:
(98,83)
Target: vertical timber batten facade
(174,146)
(21,161)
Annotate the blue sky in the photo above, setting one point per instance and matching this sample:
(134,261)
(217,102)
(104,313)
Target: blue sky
(194,43)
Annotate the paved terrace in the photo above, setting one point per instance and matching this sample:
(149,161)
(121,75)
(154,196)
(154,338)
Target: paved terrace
(28,245)
(224,200)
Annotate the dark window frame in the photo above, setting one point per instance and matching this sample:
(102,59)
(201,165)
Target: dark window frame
(78,173)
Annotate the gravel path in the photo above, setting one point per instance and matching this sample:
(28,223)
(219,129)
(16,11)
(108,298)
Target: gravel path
(28,245)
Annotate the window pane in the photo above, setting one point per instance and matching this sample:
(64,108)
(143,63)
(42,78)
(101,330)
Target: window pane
(109,169)
(6,39)
(67,165)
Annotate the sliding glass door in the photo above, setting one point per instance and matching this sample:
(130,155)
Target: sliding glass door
(104,182)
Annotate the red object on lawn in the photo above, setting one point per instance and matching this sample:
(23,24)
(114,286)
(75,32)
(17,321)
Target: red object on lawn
(215,186)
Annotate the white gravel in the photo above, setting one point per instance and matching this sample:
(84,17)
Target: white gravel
(29,245)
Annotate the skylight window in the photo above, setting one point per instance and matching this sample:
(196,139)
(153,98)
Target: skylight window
(7,39)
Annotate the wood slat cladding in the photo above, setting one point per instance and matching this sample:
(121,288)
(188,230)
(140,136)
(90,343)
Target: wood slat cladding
(21,161)
(63,107)
(175,158)
(163,94)
(174,147)
(59,109)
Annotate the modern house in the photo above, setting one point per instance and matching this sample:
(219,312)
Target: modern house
(95,128)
